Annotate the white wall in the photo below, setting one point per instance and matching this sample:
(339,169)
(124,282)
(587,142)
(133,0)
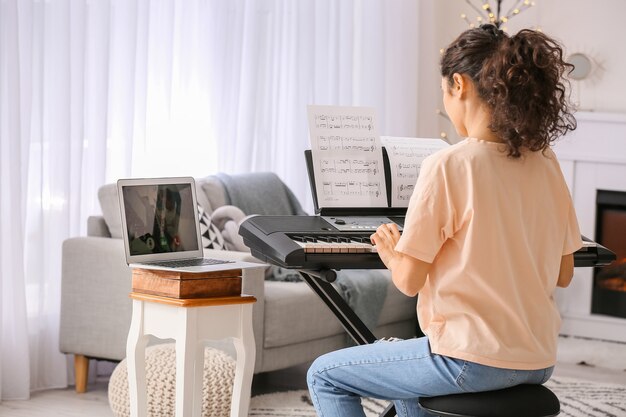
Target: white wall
(592,27)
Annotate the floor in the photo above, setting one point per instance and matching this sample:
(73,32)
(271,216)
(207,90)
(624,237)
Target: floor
(578,359)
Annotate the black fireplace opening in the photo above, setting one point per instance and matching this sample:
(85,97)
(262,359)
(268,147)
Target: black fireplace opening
(609,286)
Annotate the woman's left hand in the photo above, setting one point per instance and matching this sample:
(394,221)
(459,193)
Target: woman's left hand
(385,239)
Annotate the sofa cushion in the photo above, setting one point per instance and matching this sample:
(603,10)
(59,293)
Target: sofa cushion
(294,314)
(96,226)
(210,193)
(110,205)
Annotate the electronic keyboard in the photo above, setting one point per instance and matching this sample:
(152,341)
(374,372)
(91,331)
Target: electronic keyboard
(321,243)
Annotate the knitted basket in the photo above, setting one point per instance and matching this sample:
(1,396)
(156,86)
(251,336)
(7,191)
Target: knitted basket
(217,388)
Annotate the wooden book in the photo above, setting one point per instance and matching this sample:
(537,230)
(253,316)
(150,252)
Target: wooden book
(186,284)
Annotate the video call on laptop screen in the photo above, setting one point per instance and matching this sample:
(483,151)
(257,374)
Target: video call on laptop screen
(160,218)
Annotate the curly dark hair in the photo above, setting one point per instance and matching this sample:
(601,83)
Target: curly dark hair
(521,78)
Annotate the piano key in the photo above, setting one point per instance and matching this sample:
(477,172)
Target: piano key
(322,246)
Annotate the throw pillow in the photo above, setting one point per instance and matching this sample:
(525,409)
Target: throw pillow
(211,236)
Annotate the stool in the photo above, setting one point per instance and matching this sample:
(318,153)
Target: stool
(527,400)
(191,322)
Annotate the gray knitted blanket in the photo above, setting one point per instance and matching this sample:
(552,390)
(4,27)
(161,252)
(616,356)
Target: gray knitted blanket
(261,193)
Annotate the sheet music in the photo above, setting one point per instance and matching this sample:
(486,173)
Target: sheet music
(347,157)
(405,159)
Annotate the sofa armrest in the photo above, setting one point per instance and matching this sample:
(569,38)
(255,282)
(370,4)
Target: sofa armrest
(95,307)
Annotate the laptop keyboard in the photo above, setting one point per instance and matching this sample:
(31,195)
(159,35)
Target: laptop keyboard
(181,263)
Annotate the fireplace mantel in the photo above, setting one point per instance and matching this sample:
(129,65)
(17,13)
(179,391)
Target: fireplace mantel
(593,157)
(599,137)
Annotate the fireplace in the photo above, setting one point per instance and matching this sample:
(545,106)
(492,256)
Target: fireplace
(609,283)
(593,161)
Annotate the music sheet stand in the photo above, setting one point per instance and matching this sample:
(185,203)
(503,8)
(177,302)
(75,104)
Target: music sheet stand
(321,281)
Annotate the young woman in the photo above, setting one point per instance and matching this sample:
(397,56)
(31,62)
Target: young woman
(488,235)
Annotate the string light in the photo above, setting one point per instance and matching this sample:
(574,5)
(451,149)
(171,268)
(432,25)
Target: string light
(486,12)
(442,114)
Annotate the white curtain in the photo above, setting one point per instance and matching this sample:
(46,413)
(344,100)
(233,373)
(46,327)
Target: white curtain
(95,90)
(278,56)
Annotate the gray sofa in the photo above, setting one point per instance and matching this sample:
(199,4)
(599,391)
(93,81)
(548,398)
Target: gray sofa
(291,324)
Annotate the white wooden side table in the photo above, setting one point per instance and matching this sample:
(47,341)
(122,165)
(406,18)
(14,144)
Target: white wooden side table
(191,322)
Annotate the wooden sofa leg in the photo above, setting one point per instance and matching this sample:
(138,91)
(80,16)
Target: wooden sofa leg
(81,371)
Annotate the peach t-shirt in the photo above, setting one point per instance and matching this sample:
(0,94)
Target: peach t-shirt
(494,229)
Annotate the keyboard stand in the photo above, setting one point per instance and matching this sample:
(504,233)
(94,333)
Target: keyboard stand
(321,283)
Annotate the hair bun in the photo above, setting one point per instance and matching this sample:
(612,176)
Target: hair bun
(492,30)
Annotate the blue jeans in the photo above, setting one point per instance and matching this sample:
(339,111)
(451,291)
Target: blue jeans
(401,371)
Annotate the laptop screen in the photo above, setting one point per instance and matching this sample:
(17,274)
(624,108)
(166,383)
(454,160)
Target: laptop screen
(160,219)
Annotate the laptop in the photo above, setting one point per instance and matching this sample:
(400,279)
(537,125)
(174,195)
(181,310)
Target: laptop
(161,227)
